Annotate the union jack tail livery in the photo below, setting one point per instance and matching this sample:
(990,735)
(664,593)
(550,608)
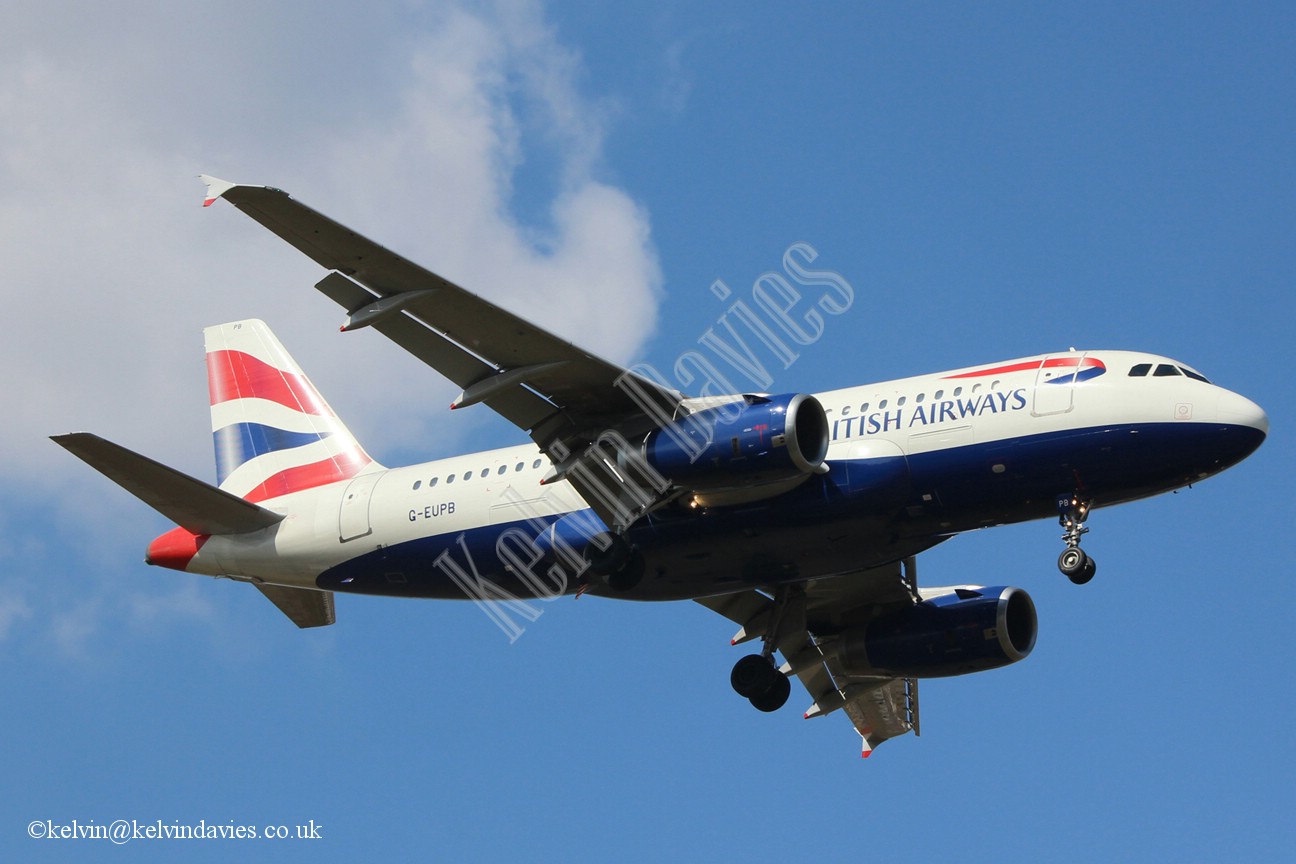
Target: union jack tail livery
(274,434)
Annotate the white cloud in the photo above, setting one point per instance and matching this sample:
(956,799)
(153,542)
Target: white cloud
(417,127)
(181,604)
(74,627)
(457,134)
(13,609)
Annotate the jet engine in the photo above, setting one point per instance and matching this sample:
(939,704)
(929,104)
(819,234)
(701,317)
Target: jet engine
(760,440)
(968,630)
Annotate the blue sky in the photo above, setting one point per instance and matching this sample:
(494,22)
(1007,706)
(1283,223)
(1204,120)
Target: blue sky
(994,180)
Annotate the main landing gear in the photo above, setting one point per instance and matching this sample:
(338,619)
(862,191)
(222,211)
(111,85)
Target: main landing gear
(1073,562)
(756,677)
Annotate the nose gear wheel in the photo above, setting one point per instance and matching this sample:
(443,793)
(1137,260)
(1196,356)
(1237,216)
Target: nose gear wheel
(1073,510)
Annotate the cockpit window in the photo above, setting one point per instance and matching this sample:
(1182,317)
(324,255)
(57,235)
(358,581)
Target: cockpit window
(1165,370)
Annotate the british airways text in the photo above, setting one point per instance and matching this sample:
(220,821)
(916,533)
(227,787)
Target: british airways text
(946,411)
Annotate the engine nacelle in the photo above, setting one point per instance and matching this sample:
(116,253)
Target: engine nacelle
(969,630)
(763,439)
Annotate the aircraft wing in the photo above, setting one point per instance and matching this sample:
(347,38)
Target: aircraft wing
(560,394)
(879,708)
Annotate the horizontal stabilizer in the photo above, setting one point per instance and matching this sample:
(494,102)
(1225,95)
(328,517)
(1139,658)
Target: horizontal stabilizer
(305,607)
(190,503)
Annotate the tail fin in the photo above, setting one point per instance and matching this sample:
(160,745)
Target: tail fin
(273,431)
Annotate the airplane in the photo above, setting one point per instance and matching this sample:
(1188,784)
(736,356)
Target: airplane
(798,516)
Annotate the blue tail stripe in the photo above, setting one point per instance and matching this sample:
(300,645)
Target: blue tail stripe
(239,442)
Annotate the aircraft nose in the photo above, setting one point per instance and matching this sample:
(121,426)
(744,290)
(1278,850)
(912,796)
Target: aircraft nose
(1241,411)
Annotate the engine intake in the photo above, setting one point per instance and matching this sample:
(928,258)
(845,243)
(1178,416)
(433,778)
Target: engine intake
(763,439)
(969,630)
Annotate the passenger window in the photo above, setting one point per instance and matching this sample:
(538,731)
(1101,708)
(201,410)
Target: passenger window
(485,472)
(939,394)
(1140,370)
(1193,375)
(450,479)
(994,385)
(958,391)
(519,467)
(882,405)
(845,412)
(535,464)
(900,402)
(1165,370)
(467,476)
(864,408)
(417,484)
(921,397)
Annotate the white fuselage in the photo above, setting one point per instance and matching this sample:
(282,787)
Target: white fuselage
(971,426)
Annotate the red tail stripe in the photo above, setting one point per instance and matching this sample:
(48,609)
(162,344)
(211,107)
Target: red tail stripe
(236,375)
(344,466)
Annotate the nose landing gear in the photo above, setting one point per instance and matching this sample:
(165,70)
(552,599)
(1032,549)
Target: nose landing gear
(1073,562)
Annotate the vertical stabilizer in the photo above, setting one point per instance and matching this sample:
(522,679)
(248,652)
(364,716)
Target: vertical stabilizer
(273,431)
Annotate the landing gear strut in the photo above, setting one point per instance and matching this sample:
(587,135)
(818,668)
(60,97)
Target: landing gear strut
(1073,562)
(756,677)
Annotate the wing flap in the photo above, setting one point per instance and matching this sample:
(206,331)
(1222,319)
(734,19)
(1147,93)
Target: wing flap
(883,711)
(586,384)
(517,404)
(879,708)
(565,399)
(747,609)
(196,506)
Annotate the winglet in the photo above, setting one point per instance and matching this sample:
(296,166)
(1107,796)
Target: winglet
(215,188)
